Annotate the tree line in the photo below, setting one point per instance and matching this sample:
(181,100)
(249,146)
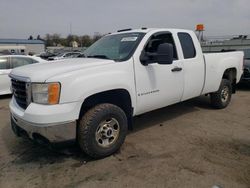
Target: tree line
(57,40)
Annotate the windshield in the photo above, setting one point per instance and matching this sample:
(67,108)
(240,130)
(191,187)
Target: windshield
(118,47)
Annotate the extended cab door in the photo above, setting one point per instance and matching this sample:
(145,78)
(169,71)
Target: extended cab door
(4,75)
(193,64)
(158,85)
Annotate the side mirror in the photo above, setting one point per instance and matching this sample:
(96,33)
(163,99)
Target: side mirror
(145,58)
(165,53)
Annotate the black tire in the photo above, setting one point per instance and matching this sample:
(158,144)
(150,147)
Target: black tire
(90,124)
(219,99)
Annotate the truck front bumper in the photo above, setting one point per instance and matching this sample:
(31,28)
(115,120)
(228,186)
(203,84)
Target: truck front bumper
(45,123)
(44,133)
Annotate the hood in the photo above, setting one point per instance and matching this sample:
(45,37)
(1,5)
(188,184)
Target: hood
(42,71)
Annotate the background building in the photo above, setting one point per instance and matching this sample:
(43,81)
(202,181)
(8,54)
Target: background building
(21,46)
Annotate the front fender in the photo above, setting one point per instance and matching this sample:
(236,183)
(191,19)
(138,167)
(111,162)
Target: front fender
(78,85)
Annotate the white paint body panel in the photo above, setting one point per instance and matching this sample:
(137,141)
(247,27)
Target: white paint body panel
(83,77)
(44,114)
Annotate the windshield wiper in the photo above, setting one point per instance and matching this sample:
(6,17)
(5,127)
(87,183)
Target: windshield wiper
(98,56)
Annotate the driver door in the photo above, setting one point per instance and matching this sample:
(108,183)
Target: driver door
(158,85)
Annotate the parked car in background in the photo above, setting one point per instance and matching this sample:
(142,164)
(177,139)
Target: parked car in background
(246,75)
(46,55)
(9,62)
(65,55)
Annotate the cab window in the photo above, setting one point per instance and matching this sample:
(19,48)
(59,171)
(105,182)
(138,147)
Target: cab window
(160,38)
(187,45)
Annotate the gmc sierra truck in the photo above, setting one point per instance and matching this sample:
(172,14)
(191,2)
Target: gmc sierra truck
(92,100)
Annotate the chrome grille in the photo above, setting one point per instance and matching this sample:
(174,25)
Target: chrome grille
(20,92)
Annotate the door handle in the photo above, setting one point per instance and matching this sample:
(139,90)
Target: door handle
(176,69)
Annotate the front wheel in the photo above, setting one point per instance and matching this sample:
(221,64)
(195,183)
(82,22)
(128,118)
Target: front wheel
(222,97)
(102,130)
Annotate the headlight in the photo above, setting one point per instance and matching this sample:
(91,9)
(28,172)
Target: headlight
(45,93)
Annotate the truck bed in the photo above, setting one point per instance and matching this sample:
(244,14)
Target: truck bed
(215,64)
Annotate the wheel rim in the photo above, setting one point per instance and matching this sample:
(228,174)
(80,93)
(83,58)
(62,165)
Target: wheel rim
(225,94)
(107,132)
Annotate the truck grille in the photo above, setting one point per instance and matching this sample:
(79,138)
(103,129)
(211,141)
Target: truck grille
(19,92)
(246,73)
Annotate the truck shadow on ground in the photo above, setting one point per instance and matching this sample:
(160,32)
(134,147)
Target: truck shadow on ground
(157,117)
(24,151)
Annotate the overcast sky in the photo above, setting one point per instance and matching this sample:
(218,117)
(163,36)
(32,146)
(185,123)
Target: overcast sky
(21,18)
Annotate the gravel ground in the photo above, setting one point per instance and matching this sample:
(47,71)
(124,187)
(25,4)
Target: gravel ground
(184,145)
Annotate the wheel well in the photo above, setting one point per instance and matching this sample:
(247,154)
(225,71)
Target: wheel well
(118,97)
(230,74)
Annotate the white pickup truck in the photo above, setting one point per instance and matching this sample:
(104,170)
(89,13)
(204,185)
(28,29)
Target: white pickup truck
(92,100)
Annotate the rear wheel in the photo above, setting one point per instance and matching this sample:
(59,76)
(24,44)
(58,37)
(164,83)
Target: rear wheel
(222,97)
(102,130)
